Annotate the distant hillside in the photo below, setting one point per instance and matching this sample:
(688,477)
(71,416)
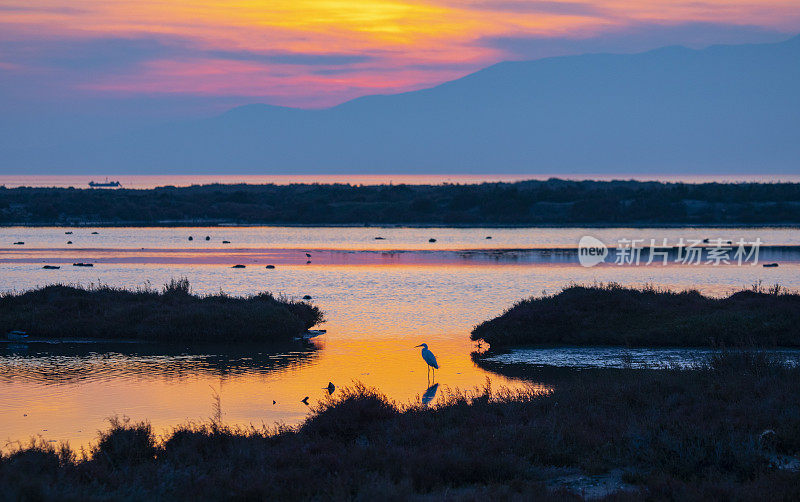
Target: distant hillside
(731,109)
(524,203)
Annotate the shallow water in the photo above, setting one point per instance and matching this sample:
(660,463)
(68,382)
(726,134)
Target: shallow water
(263,239)
(377,310)
(622,357)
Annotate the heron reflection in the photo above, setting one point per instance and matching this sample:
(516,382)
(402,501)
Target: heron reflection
(429,394)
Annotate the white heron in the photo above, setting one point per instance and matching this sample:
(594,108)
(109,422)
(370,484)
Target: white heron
(429,358)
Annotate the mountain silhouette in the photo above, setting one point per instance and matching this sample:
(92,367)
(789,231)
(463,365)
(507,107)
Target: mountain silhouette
(723,109)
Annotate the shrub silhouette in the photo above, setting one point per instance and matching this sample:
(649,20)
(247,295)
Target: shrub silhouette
(60,311)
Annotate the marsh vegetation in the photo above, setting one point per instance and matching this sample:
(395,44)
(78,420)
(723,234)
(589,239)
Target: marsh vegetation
(172,314)
(612,314)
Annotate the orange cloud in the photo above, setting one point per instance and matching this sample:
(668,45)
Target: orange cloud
(409,44)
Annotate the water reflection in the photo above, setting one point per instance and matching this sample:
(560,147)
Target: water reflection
(616,357)
(376,313)
(62,363)
(429,394)
(270,258)
(173,240)
(66,393)
(17,348)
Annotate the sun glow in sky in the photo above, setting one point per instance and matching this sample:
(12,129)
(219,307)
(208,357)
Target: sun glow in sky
(313,53)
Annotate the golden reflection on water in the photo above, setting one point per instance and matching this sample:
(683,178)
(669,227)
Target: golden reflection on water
(376,314)
(74,409)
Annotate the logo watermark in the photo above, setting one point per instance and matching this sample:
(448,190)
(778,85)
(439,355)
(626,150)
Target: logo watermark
(592,251)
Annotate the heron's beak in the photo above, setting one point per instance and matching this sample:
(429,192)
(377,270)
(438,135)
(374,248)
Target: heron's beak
(415,346)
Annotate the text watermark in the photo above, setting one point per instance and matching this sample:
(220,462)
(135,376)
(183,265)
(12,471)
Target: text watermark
(648,252)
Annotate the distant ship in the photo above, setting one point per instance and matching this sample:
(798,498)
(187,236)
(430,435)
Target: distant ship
(105,184)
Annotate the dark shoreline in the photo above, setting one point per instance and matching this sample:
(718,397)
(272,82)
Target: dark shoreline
(487,205)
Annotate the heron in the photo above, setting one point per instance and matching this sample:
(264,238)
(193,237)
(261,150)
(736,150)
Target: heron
(429,358)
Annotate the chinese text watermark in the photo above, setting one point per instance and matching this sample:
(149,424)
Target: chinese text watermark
(649,252)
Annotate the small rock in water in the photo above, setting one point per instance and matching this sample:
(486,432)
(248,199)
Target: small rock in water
(307,297)
(95,233)
(226,242)
(238,266)
(431,240)
(488,236)
(208,238)
(69,242)
(19,243)
(379,238)
(68,233)
(191,238)
(270,266)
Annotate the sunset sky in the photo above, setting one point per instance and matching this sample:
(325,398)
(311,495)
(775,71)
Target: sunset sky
(315,53)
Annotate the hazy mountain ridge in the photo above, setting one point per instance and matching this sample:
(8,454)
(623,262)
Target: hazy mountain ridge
(722,109)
